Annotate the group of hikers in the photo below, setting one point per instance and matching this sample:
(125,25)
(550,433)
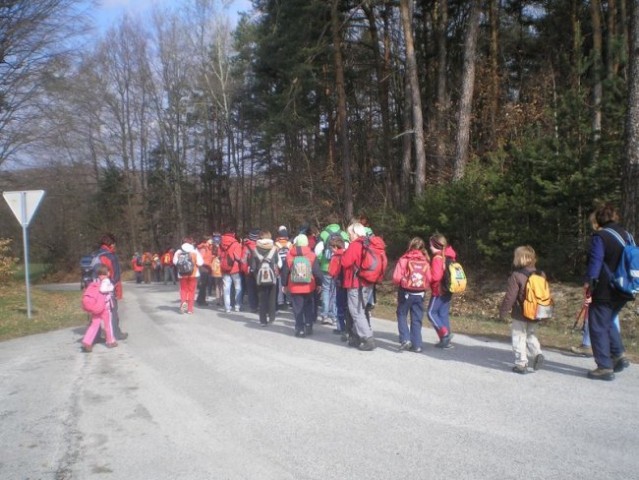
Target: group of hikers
(329,276)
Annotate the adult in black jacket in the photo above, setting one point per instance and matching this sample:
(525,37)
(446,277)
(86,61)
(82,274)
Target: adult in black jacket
(603,257)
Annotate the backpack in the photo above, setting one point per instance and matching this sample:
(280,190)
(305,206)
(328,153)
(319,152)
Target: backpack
(138,261)
(454,280)
(625,278)
(301,270)
(88,264)
(374,260)
(185,264)
(417,276)
(331,231)
(93,301)
(226,259)
(265,274)
(537,304)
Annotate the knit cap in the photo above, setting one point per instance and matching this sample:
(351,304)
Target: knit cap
(282,231)
(301,240)
(254,234)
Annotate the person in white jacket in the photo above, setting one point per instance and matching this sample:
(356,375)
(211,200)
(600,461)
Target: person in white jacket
(187,261)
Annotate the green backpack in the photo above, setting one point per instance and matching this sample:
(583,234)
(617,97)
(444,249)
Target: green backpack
(301,270)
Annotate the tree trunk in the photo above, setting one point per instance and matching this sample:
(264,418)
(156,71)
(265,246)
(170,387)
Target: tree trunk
(612,50)
(341,110)
(494,69)
(441,106)
(468,84)
(407,151)
(597,88)
(630,201)
(382,91)
(416,100)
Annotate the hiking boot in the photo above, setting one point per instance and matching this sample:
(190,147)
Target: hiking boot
(538,362)
(582,350)
(367,344)
(343,337)
(86,348)
(308,330)
(122,336)
(353,341)
(520,369)
(405,345)
(601,374)
(112,345)
(300,334)
(620,363)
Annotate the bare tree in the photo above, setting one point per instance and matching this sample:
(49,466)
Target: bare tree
(35,35)
(462,144)
(342,123)
(405,7)
(630,205)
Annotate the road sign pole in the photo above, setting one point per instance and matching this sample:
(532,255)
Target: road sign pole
(23,205)
(25,242)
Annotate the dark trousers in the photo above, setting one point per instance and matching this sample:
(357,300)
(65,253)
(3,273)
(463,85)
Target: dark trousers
(202,286)
(604,336)
(267,296)
(341,302)
(251,291)
(303,309)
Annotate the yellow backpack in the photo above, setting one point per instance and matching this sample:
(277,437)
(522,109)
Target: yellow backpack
(537,304)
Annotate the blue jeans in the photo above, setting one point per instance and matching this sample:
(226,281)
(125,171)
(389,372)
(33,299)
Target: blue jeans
(605,338)
(235,280)
(414,304)
(439,314)
(329,308)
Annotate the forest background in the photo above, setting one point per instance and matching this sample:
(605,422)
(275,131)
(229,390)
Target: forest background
(496,122)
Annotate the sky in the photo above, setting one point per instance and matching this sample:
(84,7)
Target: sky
(110,10)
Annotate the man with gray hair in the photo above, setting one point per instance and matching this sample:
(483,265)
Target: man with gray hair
(358,289)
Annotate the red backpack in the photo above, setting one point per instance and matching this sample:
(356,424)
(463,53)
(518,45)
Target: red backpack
(417,278)
(93,301)
(374,260)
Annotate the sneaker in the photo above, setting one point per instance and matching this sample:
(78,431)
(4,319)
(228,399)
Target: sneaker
(183,307)
(445,341)
(337,331)
(582,350)
(86,348)
(538,362)
(237,309)
(112,345)
(367,345)
(189,313)
(601,374)
(416,349)
(353,341)
(344,337)
(300,334)
(521,370)
(327,321)
(263,324)
(308,330)
(619,364)
(227,310)
(405,346)
(122,336)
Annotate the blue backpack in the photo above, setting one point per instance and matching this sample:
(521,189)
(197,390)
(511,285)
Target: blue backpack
(625,278)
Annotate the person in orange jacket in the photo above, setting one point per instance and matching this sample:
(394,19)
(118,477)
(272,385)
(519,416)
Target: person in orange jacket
(230,253)
(205,249)
(302,276)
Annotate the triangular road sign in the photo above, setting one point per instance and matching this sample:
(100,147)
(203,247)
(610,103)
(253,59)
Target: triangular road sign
(24,204)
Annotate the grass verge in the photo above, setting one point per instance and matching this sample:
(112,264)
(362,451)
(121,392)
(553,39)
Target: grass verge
(50,310)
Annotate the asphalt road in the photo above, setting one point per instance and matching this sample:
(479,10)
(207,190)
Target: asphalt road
(214,396)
